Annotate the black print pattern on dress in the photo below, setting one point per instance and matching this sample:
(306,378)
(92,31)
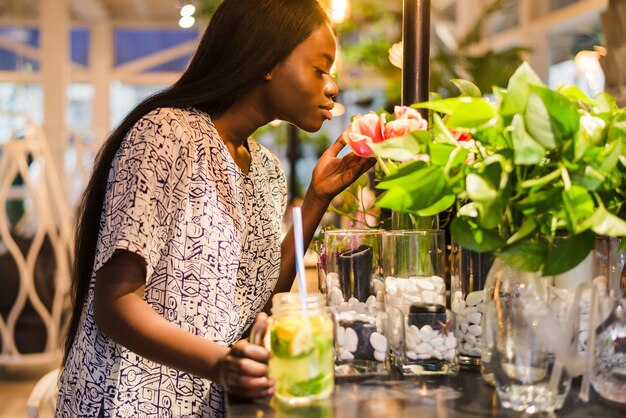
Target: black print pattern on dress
(210,236)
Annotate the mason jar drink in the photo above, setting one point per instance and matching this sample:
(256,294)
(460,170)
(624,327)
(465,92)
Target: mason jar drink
(301,346)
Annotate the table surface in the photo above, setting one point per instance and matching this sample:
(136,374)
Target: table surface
(462,396)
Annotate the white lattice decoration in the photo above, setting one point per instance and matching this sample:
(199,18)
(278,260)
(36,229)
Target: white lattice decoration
(46,215)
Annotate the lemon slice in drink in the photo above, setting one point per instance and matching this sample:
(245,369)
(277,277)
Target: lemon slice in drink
(302,341)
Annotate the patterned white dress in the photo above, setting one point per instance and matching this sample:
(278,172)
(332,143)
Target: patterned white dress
(210,236)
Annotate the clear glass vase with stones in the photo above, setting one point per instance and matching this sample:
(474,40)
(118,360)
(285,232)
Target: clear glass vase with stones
(421,329)
(354,290)
(468,272)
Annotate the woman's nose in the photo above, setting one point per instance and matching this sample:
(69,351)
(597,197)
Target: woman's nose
(330,89)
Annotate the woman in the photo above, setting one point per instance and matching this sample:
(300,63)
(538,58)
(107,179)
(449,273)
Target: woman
(178,239)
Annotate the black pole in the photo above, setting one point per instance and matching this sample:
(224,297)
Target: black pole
(416,52)
(293,153)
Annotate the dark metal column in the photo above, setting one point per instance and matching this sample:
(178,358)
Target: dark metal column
(416,52)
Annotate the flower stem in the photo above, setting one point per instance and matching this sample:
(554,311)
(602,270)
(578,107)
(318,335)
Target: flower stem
(382,165)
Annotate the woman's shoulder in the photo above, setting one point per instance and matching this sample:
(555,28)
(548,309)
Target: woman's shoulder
(268,160)
(187,116)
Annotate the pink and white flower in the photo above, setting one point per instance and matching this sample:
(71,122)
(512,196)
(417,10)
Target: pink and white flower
(372,128)
(365,129)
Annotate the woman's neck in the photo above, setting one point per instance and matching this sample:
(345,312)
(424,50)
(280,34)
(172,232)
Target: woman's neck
(236,124)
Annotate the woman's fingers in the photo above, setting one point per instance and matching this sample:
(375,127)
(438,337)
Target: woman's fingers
(336,146)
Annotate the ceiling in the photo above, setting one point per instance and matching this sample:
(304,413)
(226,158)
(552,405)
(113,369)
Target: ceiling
(163,11)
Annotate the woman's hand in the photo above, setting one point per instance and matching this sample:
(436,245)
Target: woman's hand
(243,371)
(332,174)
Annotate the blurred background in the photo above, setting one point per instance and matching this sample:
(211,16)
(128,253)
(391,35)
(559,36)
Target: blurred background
(71,69)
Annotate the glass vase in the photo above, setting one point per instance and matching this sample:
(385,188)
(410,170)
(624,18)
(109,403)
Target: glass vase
(468,272)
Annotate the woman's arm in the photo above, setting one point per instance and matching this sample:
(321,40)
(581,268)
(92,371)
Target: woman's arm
(122,314)
(330,176)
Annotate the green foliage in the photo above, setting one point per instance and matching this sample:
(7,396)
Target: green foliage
(544,171)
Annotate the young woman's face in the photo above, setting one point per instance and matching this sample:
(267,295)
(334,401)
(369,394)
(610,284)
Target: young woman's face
(300,88)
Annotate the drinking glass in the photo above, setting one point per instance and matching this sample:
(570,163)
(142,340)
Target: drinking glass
(608,374)
(300,340)
(533,359)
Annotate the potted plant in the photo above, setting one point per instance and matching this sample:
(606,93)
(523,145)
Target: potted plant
(524,168)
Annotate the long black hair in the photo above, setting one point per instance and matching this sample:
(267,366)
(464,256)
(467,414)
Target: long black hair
(243,42)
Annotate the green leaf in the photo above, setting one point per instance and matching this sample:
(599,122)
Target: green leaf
(399,176)
(415,192)
(471,113)
(446,106)
(579,206)
(516,98)
(576,94)
(440,153)
(479,189)
(528,227)
(538,121)
(568,253)
(401,148)
(439,206)
(489,215)
(604,222)
(527,150)
(605,103)
(442,134)
(465,112)
(467,88)
(472,237)
(563,114)
(525,255)
(592,178)
(541,201)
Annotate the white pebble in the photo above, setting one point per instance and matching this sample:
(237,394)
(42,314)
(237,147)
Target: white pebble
(437,341)
(425,284)
(469,338)
(481,307)
(353,302)
(423,356)
(345,355)
(450,355)
(411,355)
(350,340)
(408,298)
(380,355)
(340,333)
(415,334)
(426,333)
(378,341)
(346,315)
(464,327)
(371,301)
(333,280)
(436,354)
(458,303)
(467,347)
(429,297)
(335,297)
(474,298)
(450,341)
(423,348)
(474,352)
(475,330)
(469,310)
(475,317)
